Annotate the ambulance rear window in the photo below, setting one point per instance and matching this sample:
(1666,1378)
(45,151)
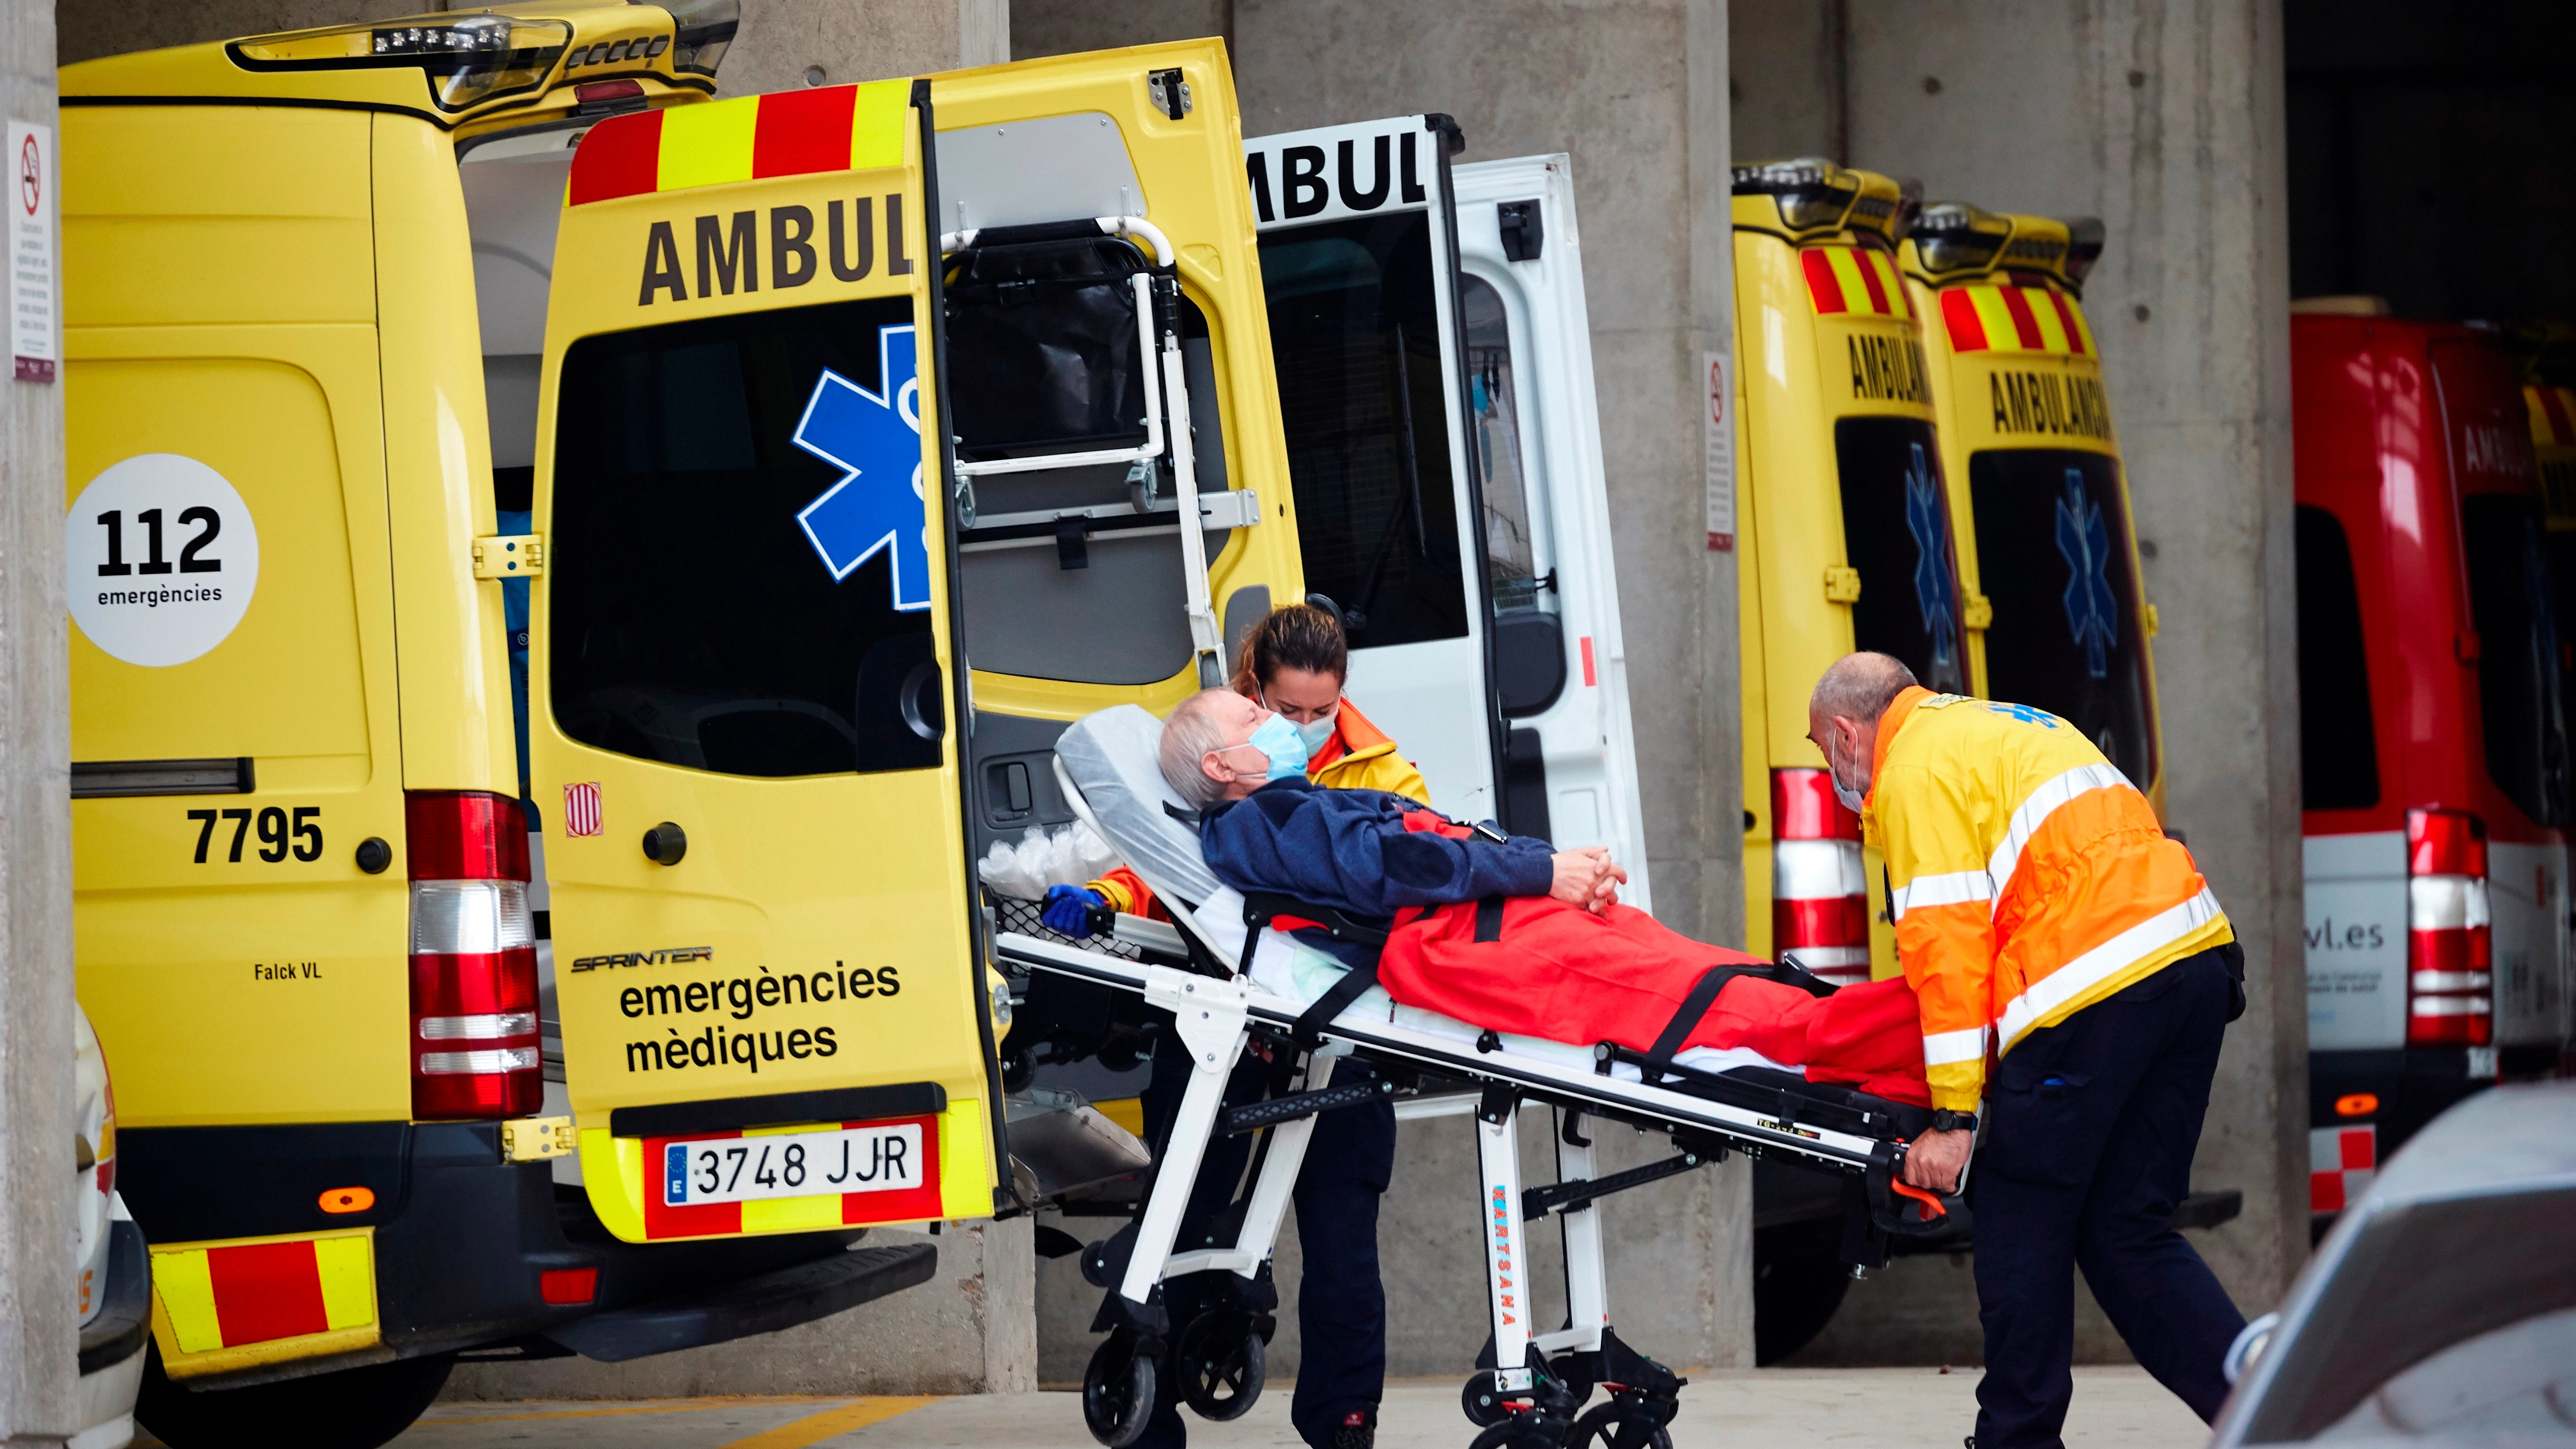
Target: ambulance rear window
(2518,653)
(2053,556)
(1356,334)
(693,621)
(2338,753)
(1896,532)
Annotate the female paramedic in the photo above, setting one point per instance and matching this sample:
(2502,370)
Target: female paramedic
(1293,664)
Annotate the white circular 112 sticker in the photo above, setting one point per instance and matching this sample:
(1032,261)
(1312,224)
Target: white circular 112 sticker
(163,559)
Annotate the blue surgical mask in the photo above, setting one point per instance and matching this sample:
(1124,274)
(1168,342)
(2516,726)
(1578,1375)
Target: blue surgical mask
(1315,731)
(1280,740)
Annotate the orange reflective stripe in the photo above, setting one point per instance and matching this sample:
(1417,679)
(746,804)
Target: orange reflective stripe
(1949,953)
(1891,283)
(2016,304)
(1959,315)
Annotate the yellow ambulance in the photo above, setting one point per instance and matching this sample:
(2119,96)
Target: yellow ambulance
(423,1051)
(1831,384)
(2032,458)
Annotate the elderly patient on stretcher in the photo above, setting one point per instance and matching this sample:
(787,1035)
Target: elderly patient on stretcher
(1506,932)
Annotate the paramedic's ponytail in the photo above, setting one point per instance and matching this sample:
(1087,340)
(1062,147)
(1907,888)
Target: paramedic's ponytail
(1295,636)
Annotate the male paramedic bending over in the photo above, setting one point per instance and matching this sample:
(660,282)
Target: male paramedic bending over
(2049,926)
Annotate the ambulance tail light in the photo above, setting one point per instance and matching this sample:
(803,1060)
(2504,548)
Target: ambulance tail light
(1819,892)
(474,1049)
(2450,941)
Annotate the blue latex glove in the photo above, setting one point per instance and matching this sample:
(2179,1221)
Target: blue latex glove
(1068,910)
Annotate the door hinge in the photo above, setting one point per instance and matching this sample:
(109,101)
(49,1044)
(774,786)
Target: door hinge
(1842,584)
(1980,613)
(510,556)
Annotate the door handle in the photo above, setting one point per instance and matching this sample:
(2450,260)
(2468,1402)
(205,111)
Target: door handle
(917,699)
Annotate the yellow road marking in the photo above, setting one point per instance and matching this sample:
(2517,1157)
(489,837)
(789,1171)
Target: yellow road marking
(815,1428)
(670,1406)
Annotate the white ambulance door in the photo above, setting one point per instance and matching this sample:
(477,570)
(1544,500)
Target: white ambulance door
(1359,262)
(1553,612)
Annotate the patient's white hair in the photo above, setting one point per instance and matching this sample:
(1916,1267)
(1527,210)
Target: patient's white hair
(1188,735)
(1861,687)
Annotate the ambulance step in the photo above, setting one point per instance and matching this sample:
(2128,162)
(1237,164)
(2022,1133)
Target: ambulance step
(764,1304)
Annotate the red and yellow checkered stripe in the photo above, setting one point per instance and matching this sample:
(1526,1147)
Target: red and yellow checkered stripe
(2553,415)
(1984,318)
(1853,279)
(230,1305)
(788,133)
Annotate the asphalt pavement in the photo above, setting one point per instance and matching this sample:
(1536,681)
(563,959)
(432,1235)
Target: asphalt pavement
(1901,1408)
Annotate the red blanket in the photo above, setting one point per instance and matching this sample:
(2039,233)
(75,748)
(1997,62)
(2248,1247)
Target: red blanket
(1560,972)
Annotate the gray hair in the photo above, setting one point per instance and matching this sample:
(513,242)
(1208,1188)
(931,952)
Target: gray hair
(1188,735)
(1861,687)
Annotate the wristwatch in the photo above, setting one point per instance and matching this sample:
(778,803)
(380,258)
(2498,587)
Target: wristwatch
(1945,1120)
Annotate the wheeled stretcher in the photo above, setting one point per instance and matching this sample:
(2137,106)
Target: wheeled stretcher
(1227,981)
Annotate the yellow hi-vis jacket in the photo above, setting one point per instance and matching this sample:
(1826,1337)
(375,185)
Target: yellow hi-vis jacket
(2028,877)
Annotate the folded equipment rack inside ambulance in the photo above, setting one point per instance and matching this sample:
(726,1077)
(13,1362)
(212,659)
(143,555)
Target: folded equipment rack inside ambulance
(1228,982)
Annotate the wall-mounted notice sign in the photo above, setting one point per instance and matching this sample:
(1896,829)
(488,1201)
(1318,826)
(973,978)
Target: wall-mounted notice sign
(31,252)
(1719,426)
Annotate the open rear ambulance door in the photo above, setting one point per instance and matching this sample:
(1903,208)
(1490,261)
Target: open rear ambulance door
(742,675)
(1535,440)
(1359,260)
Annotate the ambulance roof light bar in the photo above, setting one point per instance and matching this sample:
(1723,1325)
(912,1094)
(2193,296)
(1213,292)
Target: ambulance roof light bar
(1953,238)
(467,59)
(2084,237)
(701,32)
(1813,194)
(1885,208)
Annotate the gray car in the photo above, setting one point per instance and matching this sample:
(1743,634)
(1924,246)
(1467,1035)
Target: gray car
(2442,1308)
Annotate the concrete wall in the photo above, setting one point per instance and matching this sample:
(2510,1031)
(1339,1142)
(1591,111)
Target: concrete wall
(2165,119)
(37,1330)
(1630,92)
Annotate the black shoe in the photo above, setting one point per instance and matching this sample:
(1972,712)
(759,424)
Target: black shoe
(1358,1430)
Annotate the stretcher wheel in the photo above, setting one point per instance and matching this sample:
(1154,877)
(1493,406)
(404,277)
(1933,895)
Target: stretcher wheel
(1220,1364)
(1624,1423)
(1480,1400)
(1118,1392)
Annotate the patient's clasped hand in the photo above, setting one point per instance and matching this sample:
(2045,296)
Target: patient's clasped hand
(1562,959)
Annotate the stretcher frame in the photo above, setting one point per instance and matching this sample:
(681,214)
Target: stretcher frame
(1217,1016)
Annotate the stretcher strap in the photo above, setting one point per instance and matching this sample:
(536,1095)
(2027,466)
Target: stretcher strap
(1263,908)
(1489,920)
(1694,1006)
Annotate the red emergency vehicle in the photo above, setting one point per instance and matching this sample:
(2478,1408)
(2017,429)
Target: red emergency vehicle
(2433,731)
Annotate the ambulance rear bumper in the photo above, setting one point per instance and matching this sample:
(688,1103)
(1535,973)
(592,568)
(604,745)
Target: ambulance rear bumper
(465,1242)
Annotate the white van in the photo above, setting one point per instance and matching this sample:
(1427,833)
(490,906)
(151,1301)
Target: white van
(1435,382)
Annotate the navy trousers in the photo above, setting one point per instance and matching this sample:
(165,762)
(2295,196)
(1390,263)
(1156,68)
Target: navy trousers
(1341,1301)
(2093,1123)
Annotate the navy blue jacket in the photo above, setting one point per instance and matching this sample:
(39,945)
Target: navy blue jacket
(1351,849)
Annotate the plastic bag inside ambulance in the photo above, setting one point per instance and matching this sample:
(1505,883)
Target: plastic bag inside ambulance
(1043,347)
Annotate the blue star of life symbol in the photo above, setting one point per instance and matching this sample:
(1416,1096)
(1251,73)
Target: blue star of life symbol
(1930,525)
(2092,614)
(2026,714)
(875,439)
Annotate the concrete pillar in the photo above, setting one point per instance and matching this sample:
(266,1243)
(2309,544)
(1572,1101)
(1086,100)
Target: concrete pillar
(38,1334)
(1632,94)
(2165,119)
